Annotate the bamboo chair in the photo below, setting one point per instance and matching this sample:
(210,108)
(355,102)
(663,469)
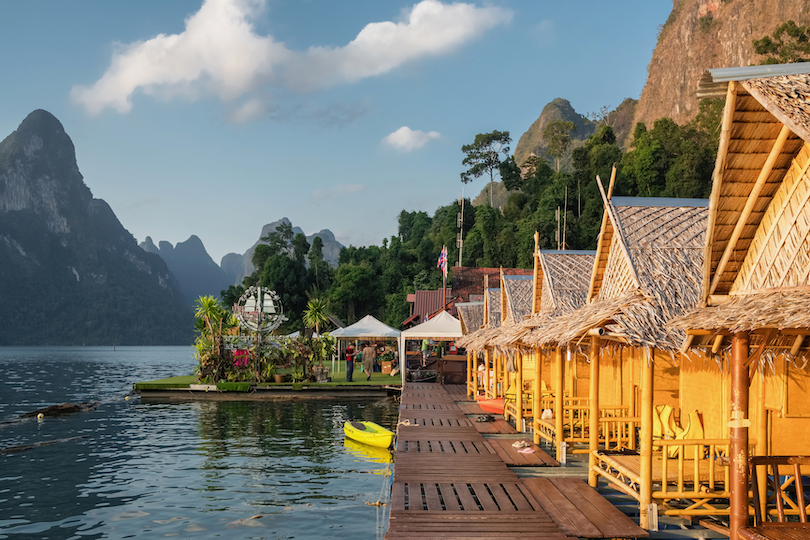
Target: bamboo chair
(781,529)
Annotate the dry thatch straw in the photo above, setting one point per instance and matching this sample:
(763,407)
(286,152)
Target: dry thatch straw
(471,316)
(478,340)
(663,240)
(518,295)
(786,309)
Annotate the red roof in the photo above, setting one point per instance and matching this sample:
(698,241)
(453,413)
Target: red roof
(426,303)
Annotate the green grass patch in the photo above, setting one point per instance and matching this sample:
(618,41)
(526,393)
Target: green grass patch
(234,386)
(182,381)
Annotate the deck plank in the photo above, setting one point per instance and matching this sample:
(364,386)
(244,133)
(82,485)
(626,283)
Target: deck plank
(450,481)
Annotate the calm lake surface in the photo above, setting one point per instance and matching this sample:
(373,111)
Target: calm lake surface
(134,469)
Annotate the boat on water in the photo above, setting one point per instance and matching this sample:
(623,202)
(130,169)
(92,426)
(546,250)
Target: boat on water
(491,406)
(369,433)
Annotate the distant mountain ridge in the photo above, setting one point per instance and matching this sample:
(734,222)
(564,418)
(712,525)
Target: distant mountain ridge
(70,274)
(237,266)
(192,266)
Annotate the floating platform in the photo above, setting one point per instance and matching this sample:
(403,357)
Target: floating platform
(455,477)
(185,388)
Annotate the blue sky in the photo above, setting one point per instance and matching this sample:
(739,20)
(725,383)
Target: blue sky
(216,117)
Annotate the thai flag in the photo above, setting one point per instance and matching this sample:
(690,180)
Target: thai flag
(443,260)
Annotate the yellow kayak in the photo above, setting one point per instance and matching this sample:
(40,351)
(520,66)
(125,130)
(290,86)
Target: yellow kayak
(369,433)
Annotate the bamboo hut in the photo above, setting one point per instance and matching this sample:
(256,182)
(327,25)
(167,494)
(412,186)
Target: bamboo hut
(560,285)
(517,376)
(647,270)
(471,316)
(482,378)
(755,294)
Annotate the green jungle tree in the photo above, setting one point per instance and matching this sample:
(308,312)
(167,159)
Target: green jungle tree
(557,135)
(483,156)
(789,43)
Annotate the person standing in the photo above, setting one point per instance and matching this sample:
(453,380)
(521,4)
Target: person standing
(425,351)
(349,363)
(369,355)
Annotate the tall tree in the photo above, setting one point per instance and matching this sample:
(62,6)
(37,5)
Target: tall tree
(557,135)
(483,156)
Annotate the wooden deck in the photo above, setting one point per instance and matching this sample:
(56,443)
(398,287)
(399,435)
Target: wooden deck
(451,481)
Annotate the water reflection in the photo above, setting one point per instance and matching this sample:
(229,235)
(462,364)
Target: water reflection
(195,470)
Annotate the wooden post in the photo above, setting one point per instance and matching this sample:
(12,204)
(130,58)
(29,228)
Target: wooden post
(538,394)
(496,368)
(559,391)
(647,368)
(762,432)
(519,391)
(472,379)
(593,417)
(738,443)
(486,373)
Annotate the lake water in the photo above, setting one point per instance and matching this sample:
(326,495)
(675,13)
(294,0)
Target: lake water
(133,469)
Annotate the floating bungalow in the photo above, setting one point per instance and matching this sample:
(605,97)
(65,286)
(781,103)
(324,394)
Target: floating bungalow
(754,316)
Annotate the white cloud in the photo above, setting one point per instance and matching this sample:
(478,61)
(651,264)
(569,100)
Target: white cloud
(337,191)
(406,139)
(545,33)
(219,53)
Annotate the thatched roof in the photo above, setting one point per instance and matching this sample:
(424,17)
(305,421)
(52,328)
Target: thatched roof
(493,308)
(756,112)
(563,279)
(518,295)
(759,219)
(471,315)
(785,309)
(566,276)
(648,273)
(478,340)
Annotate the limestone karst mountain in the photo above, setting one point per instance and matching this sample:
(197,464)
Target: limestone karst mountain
(70,273)
(192,266)
(703,34)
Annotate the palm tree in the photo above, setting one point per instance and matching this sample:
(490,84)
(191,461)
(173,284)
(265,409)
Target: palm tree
(209,315)
(315,315)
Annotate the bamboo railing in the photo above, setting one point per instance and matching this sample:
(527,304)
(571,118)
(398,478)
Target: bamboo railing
(692,470)
(617,430)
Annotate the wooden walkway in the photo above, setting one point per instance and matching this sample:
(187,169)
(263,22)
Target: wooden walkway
(452,482)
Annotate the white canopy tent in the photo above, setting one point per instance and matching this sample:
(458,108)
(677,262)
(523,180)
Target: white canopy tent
(368,328)
(442,327)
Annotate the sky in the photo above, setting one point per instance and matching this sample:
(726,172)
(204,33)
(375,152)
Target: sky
(216,117)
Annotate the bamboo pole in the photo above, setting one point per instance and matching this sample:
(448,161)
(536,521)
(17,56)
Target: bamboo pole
(761,433)
(471,383)
(717,181)
(559,390)
(738,440)
(647,390)
(486,372)
(496,368)
(538,394)
(593,420)
(519,391)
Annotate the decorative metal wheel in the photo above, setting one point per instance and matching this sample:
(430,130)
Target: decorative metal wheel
(259,310)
